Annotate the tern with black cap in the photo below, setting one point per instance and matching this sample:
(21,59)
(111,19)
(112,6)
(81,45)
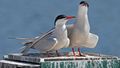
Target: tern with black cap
(79,32)
(53,39)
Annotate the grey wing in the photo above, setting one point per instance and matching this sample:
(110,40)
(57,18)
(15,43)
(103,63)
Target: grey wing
(30,41)
(38,37)
(39,41)
(45,44)
(92,41)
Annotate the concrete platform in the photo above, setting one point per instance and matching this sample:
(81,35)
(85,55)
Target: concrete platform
(35,60)
(14,64)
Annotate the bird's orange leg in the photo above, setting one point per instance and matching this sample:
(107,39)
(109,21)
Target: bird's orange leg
(79,52)
(57,53)
(48,54)
(73,52)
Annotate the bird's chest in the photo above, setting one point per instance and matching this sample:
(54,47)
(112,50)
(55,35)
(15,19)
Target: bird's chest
(78,36)
(62,29)
(61,32)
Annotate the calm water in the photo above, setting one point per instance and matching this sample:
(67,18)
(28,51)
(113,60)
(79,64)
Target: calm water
(29,18)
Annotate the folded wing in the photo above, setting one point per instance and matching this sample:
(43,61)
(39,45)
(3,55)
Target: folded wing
(44,42)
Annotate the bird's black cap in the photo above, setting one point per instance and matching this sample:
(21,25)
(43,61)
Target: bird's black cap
(63,16)
(59,17)
(84,3)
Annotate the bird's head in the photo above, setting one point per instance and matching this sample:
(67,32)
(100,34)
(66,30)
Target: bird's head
(62,19)
(83,7)
(84,3)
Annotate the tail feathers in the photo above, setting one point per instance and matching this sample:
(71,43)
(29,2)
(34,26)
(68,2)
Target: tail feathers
(27,43)
(24,49)
(26,39)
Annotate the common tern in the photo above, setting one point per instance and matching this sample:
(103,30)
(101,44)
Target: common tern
(79,32)
(54,39)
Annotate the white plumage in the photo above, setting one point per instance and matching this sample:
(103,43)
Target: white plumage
(54,39)
(79,32)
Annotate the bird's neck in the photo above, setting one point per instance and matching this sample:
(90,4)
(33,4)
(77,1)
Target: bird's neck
(82,21)
(60,26)
(61,31)
(82,10)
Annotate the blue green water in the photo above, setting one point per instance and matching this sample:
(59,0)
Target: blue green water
(83,64)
